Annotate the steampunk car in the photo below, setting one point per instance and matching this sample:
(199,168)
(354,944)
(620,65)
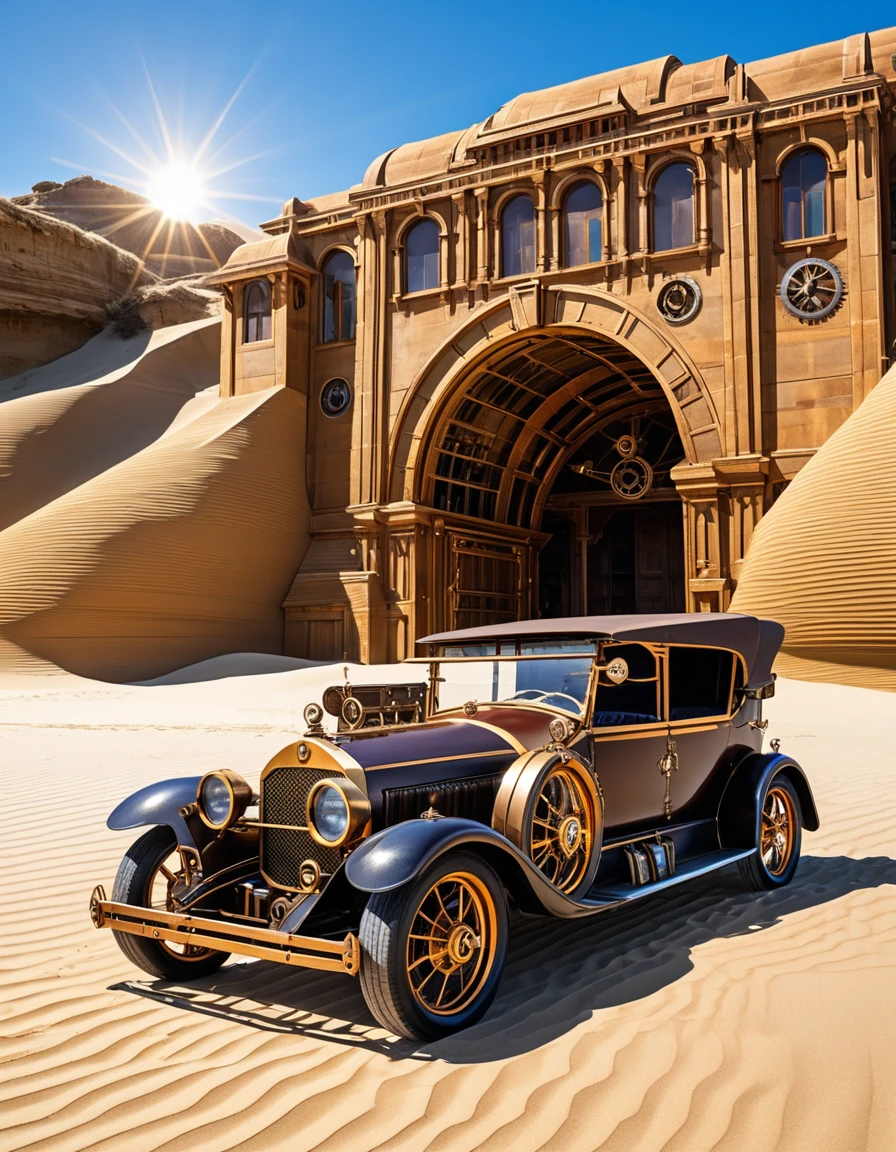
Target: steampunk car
(562,767)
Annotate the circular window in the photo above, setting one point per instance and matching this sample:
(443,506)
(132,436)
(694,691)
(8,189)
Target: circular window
(679,300)
(811,289)
(336,397)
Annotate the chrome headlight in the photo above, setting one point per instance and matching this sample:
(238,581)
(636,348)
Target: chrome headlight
(222,797)
(337,812)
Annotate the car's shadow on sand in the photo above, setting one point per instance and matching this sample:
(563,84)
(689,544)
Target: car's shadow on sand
(559,973)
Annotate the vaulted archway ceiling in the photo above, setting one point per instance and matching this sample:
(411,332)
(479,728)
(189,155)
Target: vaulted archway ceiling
(525,411)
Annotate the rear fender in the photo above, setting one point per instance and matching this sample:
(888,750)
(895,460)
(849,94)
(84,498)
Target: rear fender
(159,804)
(396,855)
(740,809)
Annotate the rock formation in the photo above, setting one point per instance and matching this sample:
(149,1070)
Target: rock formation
(169,248)
(57,281)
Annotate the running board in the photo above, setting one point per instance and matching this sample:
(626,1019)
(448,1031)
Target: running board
(616,894)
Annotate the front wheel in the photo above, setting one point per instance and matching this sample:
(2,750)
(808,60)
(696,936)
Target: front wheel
(434,950)
(777,854)
(149,876)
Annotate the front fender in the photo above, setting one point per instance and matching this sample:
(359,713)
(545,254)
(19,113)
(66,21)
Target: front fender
(397,855)
(740,809)
(158,804)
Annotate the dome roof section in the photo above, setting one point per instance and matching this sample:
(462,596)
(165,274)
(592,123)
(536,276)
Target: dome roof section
(639,85)
(284,249)
(412,162)
(815,69)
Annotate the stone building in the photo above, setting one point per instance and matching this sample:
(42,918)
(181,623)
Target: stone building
(564,360)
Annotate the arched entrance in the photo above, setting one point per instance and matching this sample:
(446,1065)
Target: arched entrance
(569,438)
(505,496)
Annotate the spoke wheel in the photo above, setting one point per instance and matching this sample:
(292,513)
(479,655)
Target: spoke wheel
(450,947)
(164,884)
(561,834)
(150,876)
(777,854)
(776,830)
(549,805)
(434,949)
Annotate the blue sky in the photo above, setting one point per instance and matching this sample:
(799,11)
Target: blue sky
(329,86)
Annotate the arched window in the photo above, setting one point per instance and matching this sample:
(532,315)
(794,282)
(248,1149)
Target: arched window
(422,257)
(803,180)
(673,208)
(518,237)
(256,311)
(582,214)
(338,312)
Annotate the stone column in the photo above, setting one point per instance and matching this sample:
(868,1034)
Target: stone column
(708,588)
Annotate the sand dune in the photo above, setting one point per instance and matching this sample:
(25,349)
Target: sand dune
(710,1019)
(70,420)
(822,561)
(181,551)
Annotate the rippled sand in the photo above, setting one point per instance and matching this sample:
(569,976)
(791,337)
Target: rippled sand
(706,1019)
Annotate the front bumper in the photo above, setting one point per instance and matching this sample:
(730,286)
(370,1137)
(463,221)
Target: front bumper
(263,943)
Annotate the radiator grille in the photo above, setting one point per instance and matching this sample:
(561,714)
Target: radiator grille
(473,799)
(284,795)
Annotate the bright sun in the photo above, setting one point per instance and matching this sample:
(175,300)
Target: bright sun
(177,191)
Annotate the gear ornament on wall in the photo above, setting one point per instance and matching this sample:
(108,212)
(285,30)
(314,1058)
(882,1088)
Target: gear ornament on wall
(679,300)
(811,289)
(631,478)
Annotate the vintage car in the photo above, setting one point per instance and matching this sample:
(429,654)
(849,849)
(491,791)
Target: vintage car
(560,767)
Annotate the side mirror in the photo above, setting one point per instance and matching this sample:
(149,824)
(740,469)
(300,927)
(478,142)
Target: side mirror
(616,671)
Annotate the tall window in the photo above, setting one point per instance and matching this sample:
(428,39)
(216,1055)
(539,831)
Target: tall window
(803,180)
(256,311)
(673,208)
(422,256)
(338,320)
(582,215)
(518,237)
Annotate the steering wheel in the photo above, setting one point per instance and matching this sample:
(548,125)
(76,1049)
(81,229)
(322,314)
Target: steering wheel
(561,696)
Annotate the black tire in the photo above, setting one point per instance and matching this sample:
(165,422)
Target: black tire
(773,868)
(132,886)
(386,926)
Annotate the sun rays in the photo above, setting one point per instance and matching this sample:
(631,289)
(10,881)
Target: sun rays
(177,167)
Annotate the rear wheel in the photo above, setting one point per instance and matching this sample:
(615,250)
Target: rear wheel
(149,876)
(434,950)
(777,854)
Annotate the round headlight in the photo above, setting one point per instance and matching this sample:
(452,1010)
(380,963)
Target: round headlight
(223,798)
(329,814)
(313,715)
(338,812)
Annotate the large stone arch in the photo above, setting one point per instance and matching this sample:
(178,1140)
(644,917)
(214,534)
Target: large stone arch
(529,307)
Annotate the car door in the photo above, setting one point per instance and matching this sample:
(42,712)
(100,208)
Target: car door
(701,683)
(628,737)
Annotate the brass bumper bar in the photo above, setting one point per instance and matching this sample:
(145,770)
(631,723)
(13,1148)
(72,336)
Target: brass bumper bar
(264,943)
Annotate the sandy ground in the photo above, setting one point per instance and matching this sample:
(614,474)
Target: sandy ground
(706,1019)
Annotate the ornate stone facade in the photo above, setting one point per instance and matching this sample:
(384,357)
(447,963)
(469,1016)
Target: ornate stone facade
(566,378)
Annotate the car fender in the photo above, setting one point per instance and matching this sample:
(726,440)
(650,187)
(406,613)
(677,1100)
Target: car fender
(740,808)
(398,854)
(158,804)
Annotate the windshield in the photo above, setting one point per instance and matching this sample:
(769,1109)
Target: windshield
(559,683)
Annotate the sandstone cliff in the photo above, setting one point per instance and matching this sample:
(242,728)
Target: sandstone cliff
(129,221)
(56,282)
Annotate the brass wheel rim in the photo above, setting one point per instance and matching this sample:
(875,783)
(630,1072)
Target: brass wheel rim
(777,831)
(164,884)
(561,836)
(451,944)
